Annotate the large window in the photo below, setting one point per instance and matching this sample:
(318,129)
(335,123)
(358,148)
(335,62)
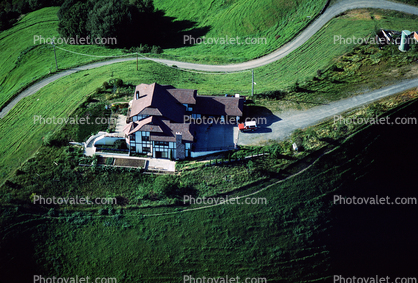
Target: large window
(145,136)
(161,143)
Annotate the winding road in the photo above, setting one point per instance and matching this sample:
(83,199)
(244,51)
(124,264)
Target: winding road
(288,122)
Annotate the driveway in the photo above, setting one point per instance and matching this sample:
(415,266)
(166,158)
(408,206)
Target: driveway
(285,123)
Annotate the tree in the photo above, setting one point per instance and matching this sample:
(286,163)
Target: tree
(108,18)
(74,22)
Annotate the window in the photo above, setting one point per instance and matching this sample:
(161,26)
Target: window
(146,149)
(132,137)
(145,136)
(140,117)
(195,116)
(161,143)
(188,108)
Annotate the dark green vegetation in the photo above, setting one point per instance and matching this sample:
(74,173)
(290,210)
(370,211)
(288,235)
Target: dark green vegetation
(123,21)
(55,167)
(298,236)
(276,23)
(11,10)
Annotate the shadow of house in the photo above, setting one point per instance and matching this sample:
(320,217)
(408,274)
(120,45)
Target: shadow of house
(262,115)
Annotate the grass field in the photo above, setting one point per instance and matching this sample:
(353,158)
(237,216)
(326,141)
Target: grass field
(62,97)
(299,235)
(275,21)
(22,56)
(24,62)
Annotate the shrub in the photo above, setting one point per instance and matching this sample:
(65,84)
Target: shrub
(118,82)
(49,139)
(156,49)
(143,48)
(295,87)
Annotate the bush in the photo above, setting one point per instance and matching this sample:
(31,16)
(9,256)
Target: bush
(156,49)
(295,87)
(118,82)
(98,90)
(143,48)
(109,161)
(50,139)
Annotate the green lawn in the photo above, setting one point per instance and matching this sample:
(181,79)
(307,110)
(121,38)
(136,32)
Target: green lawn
(276,21)
(23,61)
(21,139)
(299,235)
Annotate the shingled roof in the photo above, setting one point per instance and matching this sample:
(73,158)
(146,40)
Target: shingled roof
(160,129)
(155,100)
(219,105)
(164,106)
(184,96)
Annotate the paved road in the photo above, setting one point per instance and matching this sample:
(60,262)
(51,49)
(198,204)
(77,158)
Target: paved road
(283,125)
(274,56)
(300,39)
(37,86)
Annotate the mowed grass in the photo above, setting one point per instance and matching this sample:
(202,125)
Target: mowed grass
(20,138)
(25,61)
(276,21)
(298,236)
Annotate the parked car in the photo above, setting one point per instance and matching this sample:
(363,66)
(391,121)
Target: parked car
(247,126)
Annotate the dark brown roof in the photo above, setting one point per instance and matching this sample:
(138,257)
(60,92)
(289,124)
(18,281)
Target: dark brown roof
(166,102)
(184,96)
(219,105)
(161,129)
(155,100)
(187,131)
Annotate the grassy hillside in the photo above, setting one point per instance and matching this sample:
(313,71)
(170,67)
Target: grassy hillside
(17,145)
(298,236)
(24,62)
(277,21)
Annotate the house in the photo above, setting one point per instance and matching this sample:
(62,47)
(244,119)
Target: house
(156,122)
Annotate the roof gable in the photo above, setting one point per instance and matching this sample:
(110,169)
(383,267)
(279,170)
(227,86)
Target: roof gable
(154,100)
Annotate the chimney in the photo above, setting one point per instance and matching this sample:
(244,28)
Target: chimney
(180,148)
